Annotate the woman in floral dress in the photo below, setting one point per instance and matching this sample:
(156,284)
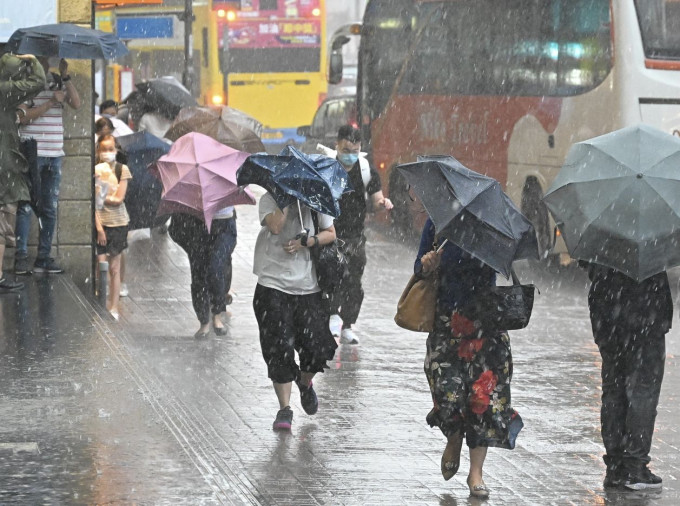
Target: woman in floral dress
(468,367)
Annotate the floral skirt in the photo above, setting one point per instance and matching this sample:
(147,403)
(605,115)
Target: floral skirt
(469,372)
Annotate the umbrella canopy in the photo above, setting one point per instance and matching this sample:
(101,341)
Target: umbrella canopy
(144,190)
(66,41)
(165,95)
(199,177)
(616,201)
(472,211)
(316,180)
(223,124)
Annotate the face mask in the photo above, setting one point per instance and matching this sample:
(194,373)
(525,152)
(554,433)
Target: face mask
(348,159)
(108,156)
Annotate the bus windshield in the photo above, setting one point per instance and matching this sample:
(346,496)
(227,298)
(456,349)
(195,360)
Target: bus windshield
(486,47)
(660,27)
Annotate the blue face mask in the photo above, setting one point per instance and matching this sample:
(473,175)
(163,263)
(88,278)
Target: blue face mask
(348,159)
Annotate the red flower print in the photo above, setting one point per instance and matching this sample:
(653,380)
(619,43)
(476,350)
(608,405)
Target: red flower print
(479,403)
(485,383)
(468,347)
(461,326)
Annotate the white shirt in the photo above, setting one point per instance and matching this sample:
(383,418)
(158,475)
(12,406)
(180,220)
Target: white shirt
(293,274)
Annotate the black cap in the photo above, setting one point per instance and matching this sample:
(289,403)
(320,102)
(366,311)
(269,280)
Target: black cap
(106,104)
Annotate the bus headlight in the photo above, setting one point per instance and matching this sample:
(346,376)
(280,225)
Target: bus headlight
(217,99)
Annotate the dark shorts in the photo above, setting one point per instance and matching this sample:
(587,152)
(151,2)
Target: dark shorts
(290,323)
(116,241)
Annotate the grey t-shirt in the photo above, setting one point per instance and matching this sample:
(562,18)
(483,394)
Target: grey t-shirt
(274,268)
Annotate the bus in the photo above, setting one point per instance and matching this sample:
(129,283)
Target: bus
(273,57)
(507,87)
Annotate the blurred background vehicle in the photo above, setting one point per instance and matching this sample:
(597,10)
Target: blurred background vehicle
(333,113)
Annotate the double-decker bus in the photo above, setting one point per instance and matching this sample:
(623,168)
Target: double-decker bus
(273,57)
(508,86)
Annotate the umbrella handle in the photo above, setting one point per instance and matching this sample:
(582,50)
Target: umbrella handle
(302,225)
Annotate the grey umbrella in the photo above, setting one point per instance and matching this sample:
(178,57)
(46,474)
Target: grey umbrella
(616,201)
(472,211)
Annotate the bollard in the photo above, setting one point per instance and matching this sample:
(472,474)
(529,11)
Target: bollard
(103,282)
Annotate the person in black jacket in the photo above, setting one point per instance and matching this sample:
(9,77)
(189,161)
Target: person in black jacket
(630,320)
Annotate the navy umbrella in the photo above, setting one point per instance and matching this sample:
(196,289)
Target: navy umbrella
(315,180)
(472,211)
(66,40)
(144,190)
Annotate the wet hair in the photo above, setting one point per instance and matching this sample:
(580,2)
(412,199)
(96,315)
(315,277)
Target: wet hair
(349,133)
(106,104)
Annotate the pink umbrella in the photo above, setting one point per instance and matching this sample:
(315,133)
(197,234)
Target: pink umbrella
(199,177)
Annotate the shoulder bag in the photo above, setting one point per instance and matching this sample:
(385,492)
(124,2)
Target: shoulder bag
(331,265)
(502,307)
(418,303)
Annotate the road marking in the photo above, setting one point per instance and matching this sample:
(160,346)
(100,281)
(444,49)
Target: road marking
(20,447)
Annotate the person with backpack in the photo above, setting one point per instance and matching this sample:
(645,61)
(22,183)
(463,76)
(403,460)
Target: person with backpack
(111,217)
(349,227)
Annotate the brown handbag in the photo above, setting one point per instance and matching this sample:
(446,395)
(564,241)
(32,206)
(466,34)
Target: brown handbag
(417,303)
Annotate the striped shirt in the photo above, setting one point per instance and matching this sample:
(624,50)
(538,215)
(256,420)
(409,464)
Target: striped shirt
(47,129)
(112,216)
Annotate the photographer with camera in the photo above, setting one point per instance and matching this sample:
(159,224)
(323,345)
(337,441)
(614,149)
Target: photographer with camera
(42,119)
(21,78)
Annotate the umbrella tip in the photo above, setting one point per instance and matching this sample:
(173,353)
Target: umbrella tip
(639,176)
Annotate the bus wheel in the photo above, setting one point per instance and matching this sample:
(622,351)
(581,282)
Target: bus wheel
(399,195)
(537,212)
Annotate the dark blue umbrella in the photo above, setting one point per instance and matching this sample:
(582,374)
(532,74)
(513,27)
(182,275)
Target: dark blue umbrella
(66,41)
(315,180)
(472,211)
(144,190)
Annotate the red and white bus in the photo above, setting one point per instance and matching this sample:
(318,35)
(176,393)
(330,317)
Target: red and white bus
(508,86)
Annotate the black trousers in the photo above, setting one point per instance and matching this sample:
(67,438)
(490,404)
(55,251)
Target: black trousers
(632,372)
(350,293)
(209,255)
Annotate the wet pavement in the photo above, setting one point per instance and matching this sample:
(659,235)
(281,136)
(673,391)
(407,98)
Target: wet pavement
(138,411)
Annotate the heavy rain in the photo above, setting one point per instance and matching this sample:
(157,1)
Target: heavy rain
(306,252)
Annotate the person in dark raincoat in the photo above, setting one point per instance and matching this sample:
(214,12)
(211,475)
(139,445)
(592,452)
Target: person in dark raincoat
(21,79)
(468,367)
(629,321)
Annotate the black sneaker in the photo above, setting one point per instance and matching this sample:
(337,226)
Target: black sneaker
(7,286)
(308,398)
(284,419)
(643,479)
(21,266)
(47,265)
(614,478)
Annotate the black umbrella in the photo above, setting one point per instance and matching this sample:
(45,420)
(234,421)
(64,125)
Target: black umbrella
(165,95)
(315,180)
(144,190)
(66,41)
(472,211)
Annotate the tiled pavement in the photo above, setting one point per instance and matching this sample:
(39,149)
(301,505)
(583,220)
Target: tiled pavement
(199,413)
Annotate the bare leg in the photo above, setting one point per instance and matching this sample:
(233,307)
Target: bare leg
(451,456)
(477,457)
(217,321)
(283,393)
(114,289)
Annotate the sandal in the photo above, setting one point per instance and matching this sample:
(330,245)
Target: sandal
(451,456)
(479,490)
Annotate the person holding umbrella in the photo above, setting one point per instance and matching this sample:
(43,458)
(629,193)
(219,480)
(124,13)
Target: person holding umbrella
(468,362)
(42,119)
(288,300)
(616,202)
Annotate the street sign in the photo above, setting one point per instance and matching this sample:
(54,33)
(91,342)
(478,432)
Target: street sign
(144,27)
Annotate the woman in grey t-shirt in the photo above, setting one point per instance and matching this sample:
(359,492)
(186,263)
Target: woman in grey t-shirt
(287,303)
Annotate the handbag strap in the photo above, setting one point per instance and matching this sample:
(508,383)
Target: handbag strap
(315,220)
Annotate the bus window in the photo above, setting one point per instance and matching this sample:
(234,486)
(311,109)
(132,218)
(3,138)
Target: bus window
(515,47)
(660,27)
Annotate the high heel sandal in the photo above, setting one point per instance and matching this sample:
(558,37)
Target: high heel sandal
(451,457)
(478,490)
